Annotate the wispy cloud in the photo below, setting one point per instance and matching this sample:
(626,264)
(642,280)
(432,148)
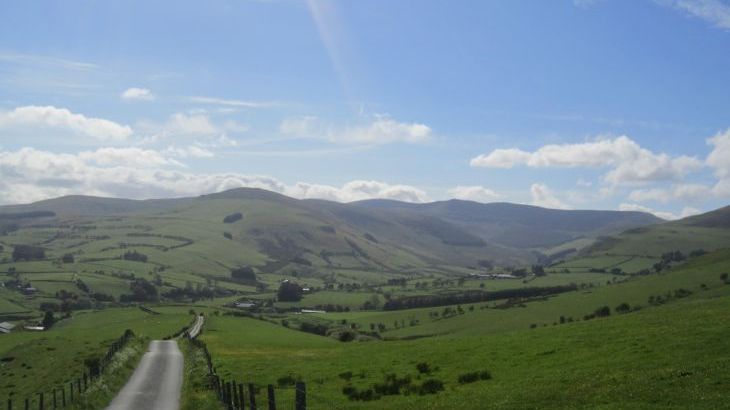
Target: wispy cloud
(231,103)
(380,129)
(41,60)
(715,12)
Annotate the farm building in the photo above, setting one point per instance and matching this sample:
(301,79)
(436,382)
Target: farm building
(6,327)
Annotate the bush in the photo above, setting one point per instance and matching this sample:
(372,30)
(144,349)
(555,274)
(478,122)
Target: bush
(28,253)
(134,256)
(346,375)
(431,386)
(227,235)
(623,308)
(289,292)
(67,258)
(245,273)
(347,336)
(229,219)
(470,377)
(423,368)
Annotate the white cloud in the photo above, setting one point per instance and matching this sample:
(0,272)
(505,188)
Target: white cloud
(686,211)
(359,190)
(381,130)
(629,162)
(231,103)
(60,118)
(192,125)
(135,93)
(544,197)
(716,12)
(474,193)
(684,192)
(130,156)
(192,151)
(31,175)
(719,159)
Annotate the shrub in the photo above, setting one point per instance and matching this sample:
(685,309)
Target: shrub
(288,380)
(346,376)
(289,292)
(431,386)
(347,336)
(485,375)
(245,273)
(28,253)
(67,258)
(227,235)
(623,308)
(470,377)
(423,368)
(229,219)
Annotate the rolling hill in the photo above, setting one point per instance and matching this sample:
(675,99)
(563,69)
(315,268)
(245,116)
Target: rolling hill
(383,235)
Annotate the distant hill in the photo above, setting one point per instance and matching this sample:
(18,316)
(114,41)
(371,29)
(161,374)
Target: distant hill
(520,226)
(708,231)
(277,232)
(719,218)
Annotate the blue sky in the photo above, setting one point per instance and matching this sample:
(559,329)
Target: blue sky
(604,104)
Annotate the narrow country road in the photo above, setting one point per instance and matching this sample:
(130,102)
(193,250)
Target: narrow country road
(156,382)
(197,327)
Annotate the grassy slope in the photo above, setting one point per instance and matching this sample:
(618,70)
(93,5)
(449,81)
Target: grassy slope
(52,357)
(672,356)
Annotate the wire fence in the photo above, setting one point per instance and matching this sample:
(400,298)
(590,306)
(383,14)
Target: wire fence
(237,395)
(70,392)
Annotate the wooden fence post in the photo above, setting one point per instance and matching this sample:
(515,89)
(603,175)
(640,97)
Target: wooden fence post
(235,394)
(272,398)
(10,404)
(40,401)
(301,397)
(55,401)
(229,396)
(27,404)
(63,395)
(71,385)
(241,397)
(252,396)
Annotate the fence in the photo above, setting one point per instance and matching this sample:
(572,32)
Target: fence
(234,394)
(76,386)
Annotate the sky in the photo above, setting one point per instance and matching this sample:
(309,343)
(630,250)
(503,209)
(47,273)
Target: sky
(572,104)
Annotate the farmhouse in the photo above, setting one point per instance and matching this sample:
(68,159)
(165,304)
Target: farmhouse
(6,327)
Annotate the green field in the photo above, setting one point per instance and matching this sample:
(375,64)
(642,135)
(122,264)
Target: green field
(33,360)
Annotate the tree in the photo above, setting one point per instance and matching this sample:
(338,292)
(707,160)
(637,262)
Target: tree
(67,258)
(48,320)
(623,308)
(289,292)
(28,253)
(538,270)
(245,273)
(229,219)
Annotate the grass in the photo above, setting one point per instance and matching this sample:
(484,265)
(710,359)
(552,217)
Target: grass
(672,356)
(195,392)
(51,358)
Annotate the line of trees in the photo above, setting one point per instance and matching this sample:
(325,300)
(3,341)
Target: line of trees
(475,296)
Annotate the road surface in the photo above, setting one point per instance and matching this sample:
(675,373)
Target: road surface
(197,326)
(156,383)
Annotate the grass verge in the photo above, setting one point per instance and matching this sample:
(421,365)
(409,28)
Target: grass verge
(195,393)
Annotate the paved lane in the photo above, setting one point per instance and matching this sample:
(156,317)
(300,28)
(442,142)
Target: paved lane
(156,382)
